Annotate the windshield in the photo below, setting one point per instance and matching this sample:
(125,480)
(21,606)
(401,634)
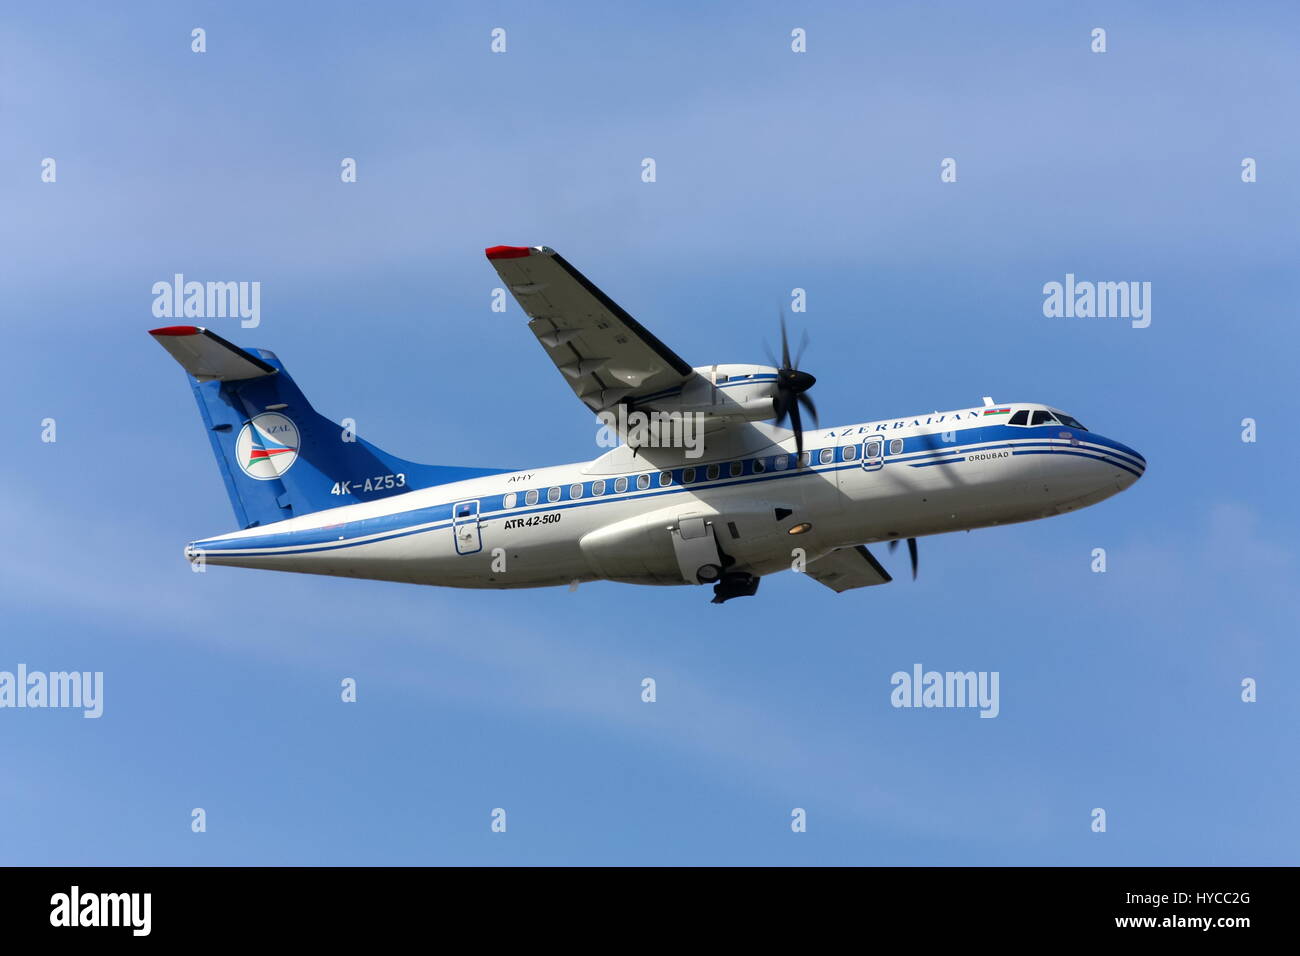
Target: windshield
(1066,420)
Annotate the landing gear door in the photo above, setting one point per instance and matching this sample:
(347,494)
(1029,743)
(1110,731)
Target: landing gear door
(464,527)
(696,550)
(873,452)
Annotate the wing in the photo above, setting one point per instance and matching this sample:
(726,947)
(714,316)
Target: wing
(606,355)
(847,568)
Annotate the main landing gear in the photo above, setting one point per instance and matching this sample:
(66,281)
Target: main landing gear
(734,584)
(699,556)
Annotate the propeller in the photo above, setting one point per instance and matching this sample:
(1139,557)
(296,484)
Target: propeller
(791,386)
(911,550)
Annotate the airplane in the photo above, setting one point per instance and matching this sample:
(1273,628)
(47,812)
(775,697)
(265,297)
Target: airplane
(746,498)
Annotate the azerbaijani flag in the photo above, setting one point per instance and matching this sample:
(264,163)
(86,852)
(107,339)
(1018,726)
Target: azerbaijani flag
(997,411)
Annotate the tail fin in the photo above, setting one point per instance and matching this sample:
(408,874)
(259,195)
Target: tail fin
(279,457)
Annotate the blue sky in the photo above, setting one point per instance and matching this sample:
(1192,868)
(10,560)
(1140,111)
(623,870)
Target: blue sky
(775,170)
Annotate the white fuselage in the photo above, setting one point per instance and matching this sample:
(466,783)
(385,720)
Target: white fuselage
(615,518)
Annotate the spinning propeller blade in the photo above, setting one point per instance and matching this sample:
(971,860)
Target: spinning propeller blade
(911,550)
(791,384)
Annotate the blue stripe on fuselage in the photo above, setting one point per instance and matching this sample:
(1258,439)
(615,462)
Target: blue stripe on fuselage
(438,517)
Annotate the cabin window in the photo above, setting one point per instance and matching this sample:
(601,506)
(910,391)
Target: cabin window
(781,462)
(620,485)
(713,472)
(509,501)
(688,475)
(598,488)
(531,497)
(553,494)
(665,478)
(575,491)
(850,452)
(1019,418)
(642,482)
(805,459)
(760,466)
(1043,418)
(896,446)
(826,455)
(873,448)
(737,469)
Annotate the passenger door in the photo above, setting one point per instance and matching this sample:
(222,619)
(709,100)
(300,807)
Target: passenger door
(873,453)
(464,527)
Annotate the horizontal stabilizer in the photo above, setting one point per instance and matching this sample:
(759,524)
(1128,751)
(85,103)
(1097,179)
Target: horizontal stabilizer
(209,357)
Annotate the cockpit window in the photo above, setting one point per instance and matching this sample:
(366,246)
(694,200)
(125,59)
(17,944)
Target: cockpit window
(1069,422)
(1042,417)
(1019,418)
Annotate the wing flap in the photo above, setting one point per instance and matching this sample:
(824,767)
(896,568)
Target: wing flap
(847,568)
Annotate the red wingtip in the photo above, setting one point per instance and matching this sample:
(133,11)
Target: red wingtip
(508,252)
(175,330)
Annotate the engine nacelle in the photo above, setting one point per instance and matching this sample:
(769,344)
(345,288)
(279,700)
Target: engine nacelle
(722,393)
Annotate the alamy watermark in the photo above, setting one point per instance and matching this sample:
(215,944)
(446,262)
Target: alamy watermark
(1073,299)
(36,689)
(128,910)
(652,430)
(946,689)
(179,299)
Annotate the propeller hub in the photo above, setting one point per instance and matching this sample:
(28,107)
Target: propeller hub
(796,380)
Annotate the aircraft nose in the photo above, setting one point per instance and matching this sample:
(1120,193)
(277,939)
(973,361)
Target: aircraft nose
(1134,464)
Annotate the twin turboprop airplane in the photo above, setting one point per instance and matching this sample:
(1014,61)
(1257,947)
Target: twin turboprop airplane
(753,499)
